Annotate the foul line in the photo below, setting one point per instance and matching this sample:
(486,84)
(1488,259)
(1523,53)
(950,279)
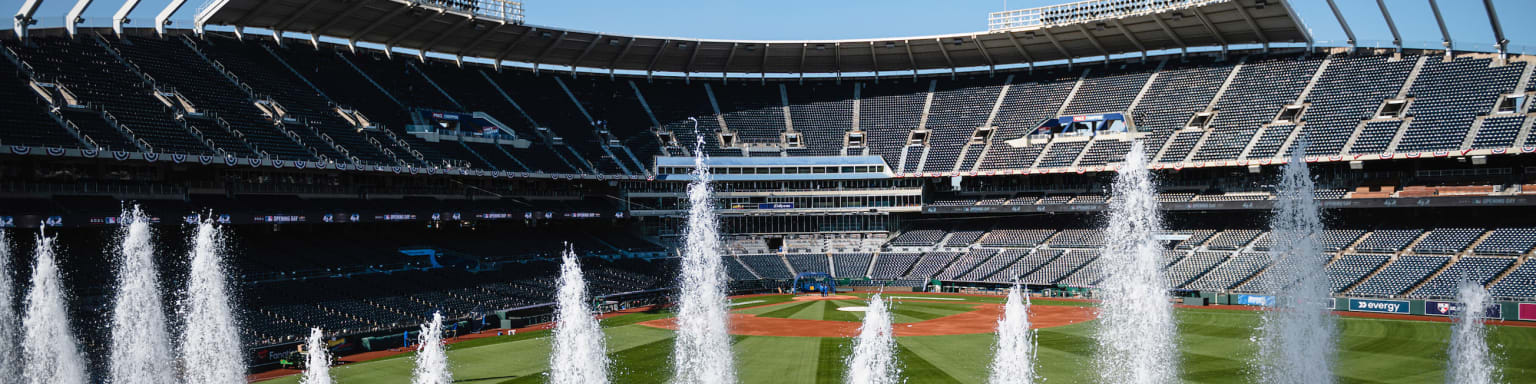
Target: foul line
(747,302)
(927,298)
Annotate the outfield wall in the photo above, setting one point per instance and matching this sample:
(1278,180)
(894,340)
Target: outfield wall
(1504,310)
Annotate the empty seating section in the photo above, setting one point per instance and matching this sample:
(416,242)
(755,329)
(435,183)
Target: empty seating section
(914,159)
(755,112)
(1180,90)
(1016,237)
(736,270)
(1375,137)
(1388,240)
(1448,95)
(1078,238)
(1480,270)
(1402,274)
(1447,240)
(104,82)
(1003,259)
(476,92)
(767,266)
(1349,269)
(823,114)
(1086,276)
(888,112)
(1254,98)
(1508,241)
(1025,265)
(966,262)
(25,117)
(1520,282)
(1498,132)
(1269,142)
(1196,238)
(1233,239)
(963,238)
(1030,100)
(959,107)
(931,264)
(919,237)
(1192,266)
(1102,152)
(1180,145)
(1234,271)
(1060,267)
(1107,90)
(1350,90)
(613,102)
(851,265)
(94,127)
(814,262)
(545,101)
(893,265)
(1061,154)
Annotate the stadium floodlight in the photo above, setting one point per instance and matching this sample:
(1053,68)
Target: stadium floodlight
(1085,11)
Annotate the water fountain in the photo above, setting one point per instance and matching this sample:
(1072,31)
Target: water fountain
(1296,335)
(702,353)
(431,357)
(874,351)
(210,345)
(317,365)
(1135,337)
(578,356)
(48,349)
(1470,360)
(139,337)
(10,362)
(1013,361)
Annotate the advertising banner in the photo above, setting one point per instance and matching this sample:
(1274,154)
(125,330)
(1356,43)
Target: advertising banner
(1257,300)
(1451,308)
(1527,311)
(1379,306)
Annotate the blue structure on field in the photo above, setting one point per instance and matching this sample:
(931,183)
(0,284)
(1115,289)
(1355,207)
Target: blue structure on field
(815,282)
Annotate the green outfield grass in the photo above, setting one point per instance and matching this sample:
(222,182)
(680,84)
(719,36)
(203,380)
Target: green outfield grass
(1215,349)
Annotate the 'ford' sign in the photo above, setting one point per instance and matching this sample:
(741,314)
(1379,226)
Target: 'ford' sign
(1449,308)
(1381,306)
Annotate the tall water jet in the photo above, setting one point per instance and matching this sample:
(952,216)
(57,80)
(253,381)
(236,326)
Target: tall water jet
(140,341)
(702,353)
(317,363)
(210,345)
(579,356)
(1296,335)
(1136,340)
(874,351)
(10,361)
(48,349)
(1013,361)
(431,357)
(1471,363)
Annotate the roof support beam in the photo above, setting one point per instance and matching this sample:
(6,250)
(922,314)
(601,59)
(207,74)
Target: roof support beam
(1095,41)
(508,50)
(72,18)
(1183,48)
(801,69)
(1445,34)
(417,25)
(1498,30)
(874,60)
(731,56)
(837,60)
(1059,48)
(1132,37)
(1022,51)
(1257,32)
(243,21)
(622,51)
(763,67)
(1397,39)
(947,60)
(688,69)
(657,58)
(337,18)
(551,47)
(352,41)
(1348,33)
(1216,33)
(164,18)
(588,50)
(121,17)
(472,43)
(991,66)
(24,19)
(910,57)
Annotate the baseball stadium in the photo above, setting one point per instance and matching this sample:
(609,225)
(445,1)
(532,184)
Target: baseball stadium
(456,191)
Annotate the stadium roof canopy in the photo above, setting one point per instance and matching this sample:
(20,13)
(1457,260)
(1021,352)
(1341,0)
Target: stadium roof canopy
(483,28)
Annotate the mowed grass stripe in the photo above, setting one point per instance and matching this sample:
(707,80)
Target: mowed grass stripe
(814,311)
(774,359)
(916,369)
(785,311)
(832,363)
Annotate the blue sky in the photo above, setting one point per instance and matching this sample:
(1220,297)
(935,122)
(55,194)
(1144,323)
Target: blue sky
(849,19)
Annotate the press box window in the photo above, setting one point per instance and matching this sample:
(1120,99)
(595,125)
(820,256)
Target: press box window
(855,140)
(918,138)
(1201,120)
(1393,108)
(1291,113)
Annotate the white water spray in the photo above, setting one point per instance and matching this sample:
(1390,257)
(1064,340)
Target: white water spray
(578,356)
(10,359)
(431,357)
(702,353)
(1471,362)
(1136,340)
(140,341)
(48,349)
(1296,335)
(874,351)
(210,345)
(1013,361)
(317,365)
